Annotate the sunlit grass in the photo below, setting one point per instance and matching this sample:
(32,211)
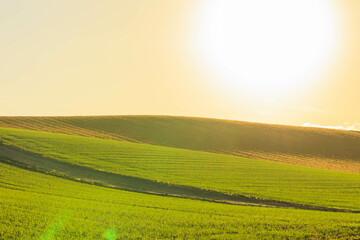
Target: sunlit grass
(33,204)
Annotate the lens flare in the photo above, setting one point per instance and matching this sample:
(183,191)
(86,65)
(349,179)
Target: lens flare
(56,226)
(109,234)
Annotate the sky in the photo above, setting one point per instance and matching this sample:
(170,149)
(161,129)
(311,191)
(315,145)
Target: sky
(284,62)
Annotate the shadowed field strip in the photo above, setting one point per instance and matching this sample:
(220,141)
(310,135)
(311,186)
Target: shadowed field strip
(32,161)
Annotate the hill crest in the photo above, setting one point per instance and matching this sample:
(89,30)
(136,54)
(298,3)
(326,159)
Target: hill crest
(311,147)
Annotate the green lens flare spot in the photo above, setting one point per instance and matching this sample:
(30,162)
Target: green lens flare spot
(110,234)
(56,226)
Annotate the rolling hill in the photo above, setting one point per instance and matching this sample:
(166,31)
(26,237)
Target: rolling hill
(98,177)
(311,147)
(221,173)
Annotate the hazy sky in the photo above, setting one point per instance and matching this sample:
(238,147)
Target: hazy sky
(272,61)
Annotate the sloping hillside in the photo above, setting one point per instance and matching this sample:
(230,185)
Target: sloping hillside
(221,173)
(313,147)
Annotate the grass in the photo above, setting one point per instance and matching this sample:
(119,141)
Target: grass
(39,206)
(312,147)
(235,175)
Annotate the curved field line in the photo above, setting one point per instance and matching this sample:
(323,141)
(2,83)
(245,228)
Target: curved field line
(36,162)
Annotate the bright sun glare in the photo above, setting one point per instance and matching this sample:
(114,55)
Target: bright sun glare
(266,48)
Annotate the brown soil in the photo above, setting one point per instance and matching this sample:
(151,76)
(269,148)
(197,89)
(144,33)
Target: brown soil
(311,147)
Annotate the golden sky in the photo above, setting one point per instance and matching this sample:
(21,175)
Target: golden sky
(161,57)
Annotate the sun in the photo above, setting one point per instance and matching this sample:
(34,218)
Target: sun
(267,48)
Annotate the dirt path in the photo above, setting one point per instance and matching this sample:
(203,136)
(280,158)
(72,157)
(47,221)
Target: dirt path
(36,162)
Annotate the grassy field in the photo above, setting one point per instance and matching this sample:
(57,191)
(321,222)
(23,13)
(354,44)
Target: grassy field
(39,206)
(249,177)
(312,147)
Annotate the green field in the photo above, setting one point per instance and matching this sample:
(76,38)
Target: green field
(39,206)
(312,147)
(192,153)
(229,174)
